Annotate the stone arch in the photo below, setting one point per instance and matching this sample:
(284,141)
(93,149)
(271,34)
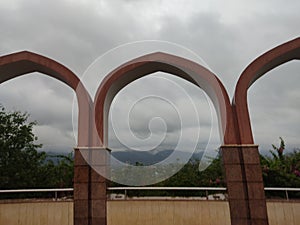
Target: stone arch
(24,62)
(251,187)
(258,68)
(171,64)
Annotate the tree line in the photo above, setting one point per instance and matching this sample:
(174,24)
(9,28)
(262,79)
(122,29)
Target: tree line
(24,165)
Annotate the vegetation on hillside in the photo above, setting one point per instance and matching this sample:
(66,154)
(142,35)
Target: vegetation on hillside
(24,165)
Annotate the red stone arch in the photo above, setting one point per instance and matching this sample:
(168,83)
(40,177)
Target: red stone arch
(258,68)
(174,65)
(253,189)
(21,63)
(240,156)
(199,76)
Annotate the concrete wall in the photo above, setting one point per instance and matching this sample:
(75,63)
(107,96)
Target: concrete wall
(36,213)
(168,212)
(142,212)
(284,213)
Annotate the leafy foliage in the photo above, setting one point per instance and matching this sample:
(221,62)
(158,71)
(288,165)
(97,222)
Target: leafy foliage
(188,176)
(281,170)
(22,164)
(60,174)
(18,156)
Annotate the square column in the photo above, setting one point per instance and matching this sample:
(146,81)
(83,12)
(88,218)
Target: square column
(81,188)
(90,173)
(255,185)
(244,184)
(99,162)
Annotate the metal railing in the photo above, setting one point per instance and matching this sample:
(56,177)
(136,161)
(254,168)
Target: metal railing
(56,190)
(206,189)
(285,189)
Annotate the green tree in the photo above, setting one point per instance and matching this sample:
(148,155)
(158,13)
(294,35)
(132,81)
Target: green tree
(61,174)
(282,169)
(19,159)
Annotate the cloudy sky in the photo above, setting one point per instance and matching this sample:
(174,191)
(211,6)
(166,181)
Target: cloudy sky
(226,35)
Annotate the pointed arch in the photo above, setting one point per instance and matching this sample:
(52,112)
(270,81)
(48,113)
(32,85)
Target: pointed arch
(258,68)
(24,62)
(171,64)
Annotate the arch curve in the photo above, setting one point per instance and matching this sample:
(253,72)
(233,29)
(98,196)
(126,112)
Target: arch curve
(181,67)
(259,67)
(24,62)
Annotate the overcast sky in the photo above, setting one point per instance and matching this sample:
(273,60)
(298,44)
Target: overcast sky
(227,35)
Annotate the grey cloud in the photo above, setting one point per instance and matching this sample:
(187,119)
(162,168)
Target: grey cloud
(227,36)
(73,33)
(274,106)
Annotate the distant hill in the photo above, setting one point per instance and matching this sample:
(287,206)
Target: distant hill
(53,156)
(131,156)
(145,157)
(149,157)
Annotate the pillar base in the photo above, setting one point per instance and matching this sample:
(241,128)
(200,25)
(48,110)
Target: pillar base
(90,183)
(244,184)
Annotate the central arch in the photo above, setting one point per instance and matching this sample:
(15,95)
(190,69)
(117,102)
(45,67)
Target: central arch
(201,77)
(155,62)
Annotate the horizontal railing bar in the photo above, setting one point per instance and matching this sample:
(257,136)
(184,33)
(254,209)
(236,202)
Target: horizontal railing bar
(36,190)
(170,188)
(147,188)
(281,189)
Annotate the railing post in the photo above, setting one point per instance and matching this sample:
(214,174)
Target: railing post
(286,194)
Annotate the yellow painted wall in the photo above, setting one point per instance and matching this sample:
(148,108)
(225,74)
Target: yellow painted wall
(287,213)
(36,213)
(142,212)
(168,212)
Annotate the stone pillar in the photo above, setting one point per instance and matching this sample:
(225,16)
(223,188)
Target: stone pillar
(255,186)
(81,188)
(99,162)
(90,172)
(244,184)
